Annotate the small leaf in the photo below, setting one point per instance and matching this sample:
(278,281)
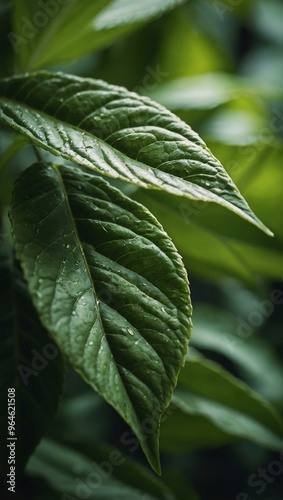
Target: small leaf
(226,408)
(119,134)
(30,364)
(109,285)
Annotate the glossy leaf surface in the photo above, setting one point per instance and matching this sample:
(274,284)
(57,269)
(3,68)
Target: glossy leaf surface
(119,134)
(109,285)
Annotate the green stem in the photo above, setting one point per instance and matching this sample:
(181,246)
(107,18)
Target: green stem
(37,153)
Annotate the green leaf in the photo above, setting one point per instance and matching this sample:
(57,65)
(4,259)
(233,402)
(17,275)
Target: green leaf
(68,32)
(30,364)
(210,90)
(87,440)
(221,244)
(109,285)
(122,469)
(23,38)
(119,134)
(213,401)
(217,331)
(78,476)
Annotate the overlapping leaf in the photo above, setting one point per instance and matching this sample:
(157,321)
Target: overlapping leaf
(221,244)
(30,364)
(108,283)
(217,331)
(119,134)
(57,463)
(211,408)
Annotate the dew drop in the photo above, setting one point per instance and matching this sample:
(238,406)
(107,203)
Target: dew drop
(90,342)
(130,332)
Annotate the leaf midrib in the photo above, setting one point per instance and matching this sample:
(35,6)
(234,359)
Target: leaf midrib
(91,281)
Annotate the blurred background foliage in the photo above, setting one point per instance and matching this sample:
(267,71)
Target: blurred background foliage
(219,66)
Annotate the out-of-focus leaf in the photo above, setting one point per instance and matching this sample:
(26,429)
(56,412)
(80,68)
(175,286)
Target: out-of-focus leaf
(31,366)
(129,471)
(200,53)
(217,331)
(209,90)
(224,405)
(73,473)
(267,18)
(61,32)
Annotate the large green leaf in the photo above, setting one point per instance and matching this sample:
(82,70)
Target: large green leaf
(221,243)
(109,285)
(212,407)
(60,33)
(30,364)
(119,134)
